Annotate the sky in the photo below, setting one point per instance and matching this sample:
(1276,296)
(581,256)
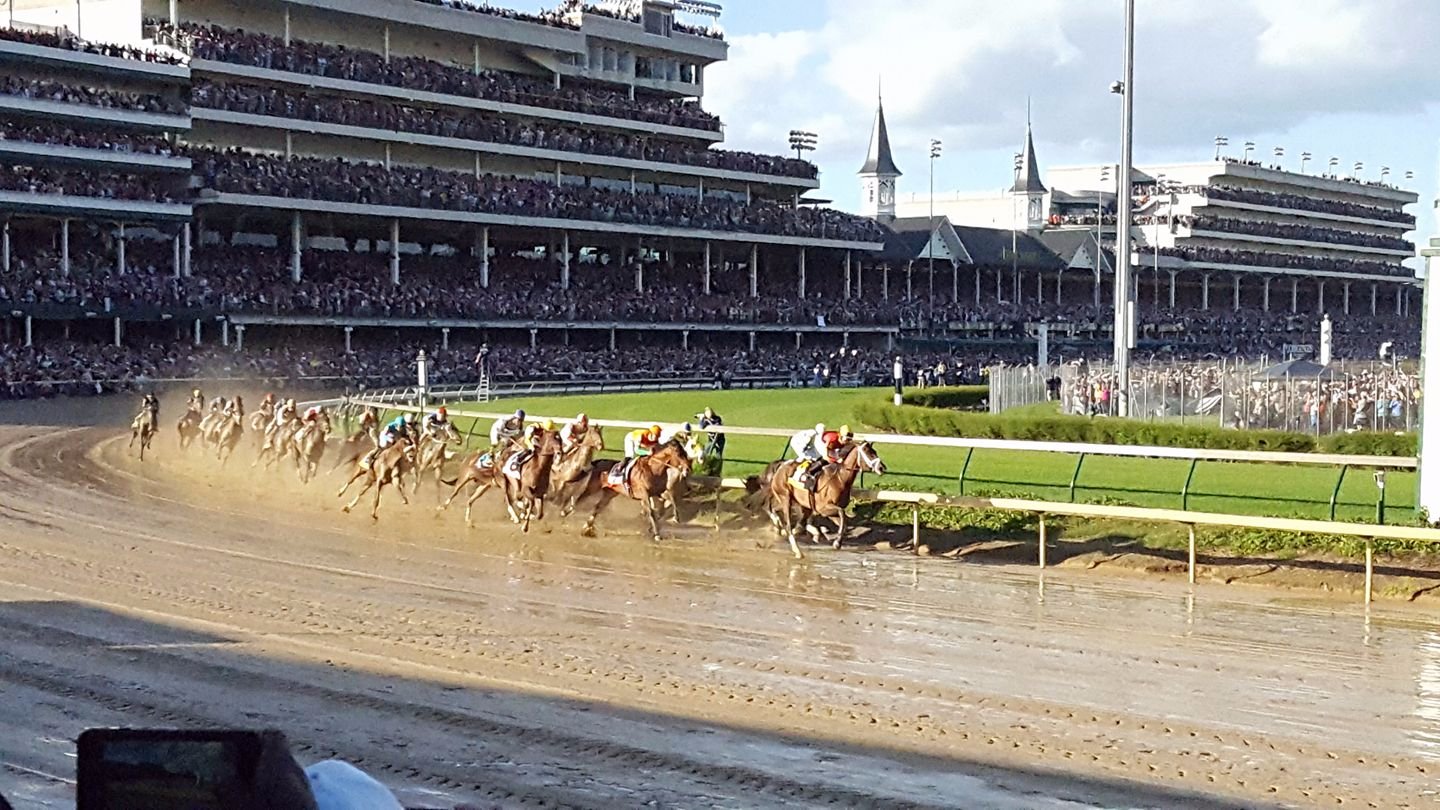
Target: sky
(1354,79)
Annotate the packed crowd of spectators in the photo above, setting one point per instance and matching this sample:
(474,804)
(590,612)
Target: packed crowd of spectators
(555,18)
(1301,203)
(339,180)
(89,183)
(54,134)
(470,125)
(51,39)
(1251,258)
(589,8)
(45,90)
(1281,230)
(417,73)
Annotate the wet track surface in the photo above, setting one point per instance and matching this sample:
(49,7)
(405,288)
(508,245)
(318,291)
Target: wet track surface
(552,670)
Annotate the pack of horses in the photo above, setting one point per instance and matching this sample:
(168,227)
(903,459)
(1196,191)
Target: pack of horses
(570,476)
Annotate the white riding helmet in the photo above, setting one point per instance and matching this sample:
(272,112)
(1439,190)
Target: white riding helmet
(820,428)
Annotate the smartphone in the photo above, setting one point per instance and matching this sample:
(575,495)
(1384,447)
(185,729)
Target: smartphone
(158,769)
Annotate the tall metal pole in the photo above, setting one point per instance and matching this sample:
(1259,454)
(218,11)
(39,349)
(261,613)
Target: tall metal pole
(1124,287)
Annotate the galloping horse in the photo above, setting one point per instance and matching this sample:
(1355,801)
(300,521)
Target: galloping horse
(572,466)
(390,466)
(830,497)
(675,479)
(143,428)
(278,439)
(309,446)
(260,420)
(225,436)
(485,476)
(646,481)
(531,483)
(188,427)
(432,454)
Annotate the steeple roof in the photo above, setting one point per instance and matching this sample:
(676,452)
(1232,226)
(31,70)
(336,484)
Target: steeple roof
(1028,181)
(879,160)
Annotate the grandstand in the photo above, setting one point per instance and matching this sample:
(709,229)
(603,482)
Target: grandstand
(303,177)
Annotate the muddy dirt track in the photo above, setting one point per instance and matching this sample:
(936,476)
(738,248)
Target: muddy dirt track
(556,671)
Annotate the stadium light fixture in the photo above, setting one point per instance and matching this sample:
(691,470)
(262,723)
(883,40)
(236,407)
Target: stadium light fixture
(1124,333)
(1359,167)
(1334,164)
(1220,142)
(1304,159)
(802,142)
(1249,147)
(1409,175)
(1384,173)
(1280,157)
(935,150)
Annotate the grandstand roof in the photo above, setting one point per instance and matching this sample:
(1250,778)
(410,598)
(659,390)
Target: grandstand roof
(991,246)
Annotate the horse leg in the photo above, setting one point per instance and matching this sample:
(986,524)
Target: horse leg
(400,488)
(648,509)
(353,479)
(375,507)
(459,485)
(475,496)
(370,482)
(787,518)
(606,496)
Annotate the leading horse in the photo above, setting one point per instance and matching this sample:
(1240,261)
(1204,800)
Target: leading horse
(829,498)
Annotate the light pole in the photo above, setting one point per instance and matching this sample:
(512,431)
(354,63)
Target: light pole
(1359,167)
(1409,176)
(1100,220)
(1304,159)
(1280,158)
(935,149)
(1334,163)
(802,142)
(1124,290)
(1015,236)
(1220,142)
(1249,147)
(1384,173)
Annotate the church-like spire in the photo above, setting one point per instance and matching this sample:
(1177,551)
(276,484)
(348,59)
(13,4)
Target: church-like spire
(1028,180)
(879,160)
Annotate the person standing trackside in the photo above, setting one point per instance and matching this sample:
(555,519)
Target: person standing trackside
(899,374)
(482,361)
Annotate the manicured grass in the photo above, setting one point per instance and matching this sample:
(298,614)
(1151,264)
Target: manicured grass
(1256,489)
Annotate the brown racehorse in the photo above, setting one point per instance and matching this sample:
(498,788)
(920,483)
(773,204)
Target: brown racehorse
(260,420)
(227,436)
(569,472)
(390,466)
(483,477)
(309,446)
(278,441)
(528,488)
(188,428)
(143,428)
(646,482)
(830,497)
(432,453)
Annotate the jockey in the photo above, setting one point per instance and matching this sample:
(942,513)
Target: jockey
(526,445)
(217,404)
(436,421)
(708,419)
(311,414)
(811,448)
(508,429)
(574,432)
(196,401)
(285,412)
(235,407)
(642,442)
(151,405)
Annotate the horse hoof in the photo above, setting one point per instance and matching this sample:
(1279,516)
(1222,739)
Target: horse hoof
(835,545)
(345,509)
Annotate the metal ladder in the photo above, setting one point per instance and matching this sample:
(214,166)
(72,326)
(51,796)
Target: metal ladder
(482,392)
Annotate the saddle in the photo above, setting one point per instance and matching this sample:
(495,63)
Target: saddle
(618,478)
(515,462)
(803,478)
(486,461)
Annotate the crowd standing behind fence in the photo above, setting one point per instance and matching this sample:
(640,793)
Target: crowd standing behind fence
(1346,396)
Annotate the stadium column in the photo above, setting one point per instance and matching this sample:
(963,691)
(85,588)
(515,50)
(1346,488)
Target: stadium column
(909,274)
(119,331)
(612,338)
(1294,296)
(752,339)
(445,338)
(239,337)
(297,245)
(198,332)
(849,268)
(174,12)
(685,339)
(1374,300)
(1039,286)
(483,249)
(1205,292)
(1346,286)
(395,250)
(1236,280)
(120,248)
(533,334)
(754,275)
(1320,297)
(1265,302)
(885,282)
(225,332)
(5,247)
(187,250)
(65,247)
(349,330)
(706,281)
(287,25)
(979,282)
(29,331)
(565,261)
(800,286)
(1399,297)
(1059,287)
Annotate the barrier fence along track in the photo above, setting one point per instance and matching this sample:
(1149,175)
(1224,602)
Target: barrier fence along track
(399,400)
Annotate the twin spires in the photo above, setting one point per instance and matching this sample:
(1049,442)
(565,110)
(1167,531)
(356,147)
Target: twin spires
(879,160)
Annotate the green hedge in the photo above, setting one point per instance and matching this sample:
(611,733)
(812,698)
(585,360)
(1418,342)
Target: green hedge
(935,422)
(958,397)
(1372,444)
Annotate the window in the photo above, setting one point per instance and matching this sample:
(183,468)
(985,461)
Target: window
(657,22)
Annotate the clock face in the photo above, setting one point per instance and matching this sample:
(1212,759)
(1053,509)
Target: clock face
(887,193)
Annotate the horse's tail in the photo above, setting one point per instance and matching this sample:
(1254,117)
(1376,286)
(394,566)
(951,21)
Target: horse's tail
(450,482)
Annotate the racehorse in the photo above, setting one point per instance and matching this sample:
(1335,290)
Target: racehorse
(309,446)
(481,468)
(829,498)
(432,454)
(572,465)
(675,479)
(278,439)
(227,435)
(530,484)
(646,481)
(390,466)
(188,427)
(260,420)
(143,428)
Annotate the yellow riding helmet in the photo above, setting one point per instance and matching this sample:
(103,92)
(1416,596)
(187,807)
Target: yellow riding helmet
(549,424)
(845,431)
